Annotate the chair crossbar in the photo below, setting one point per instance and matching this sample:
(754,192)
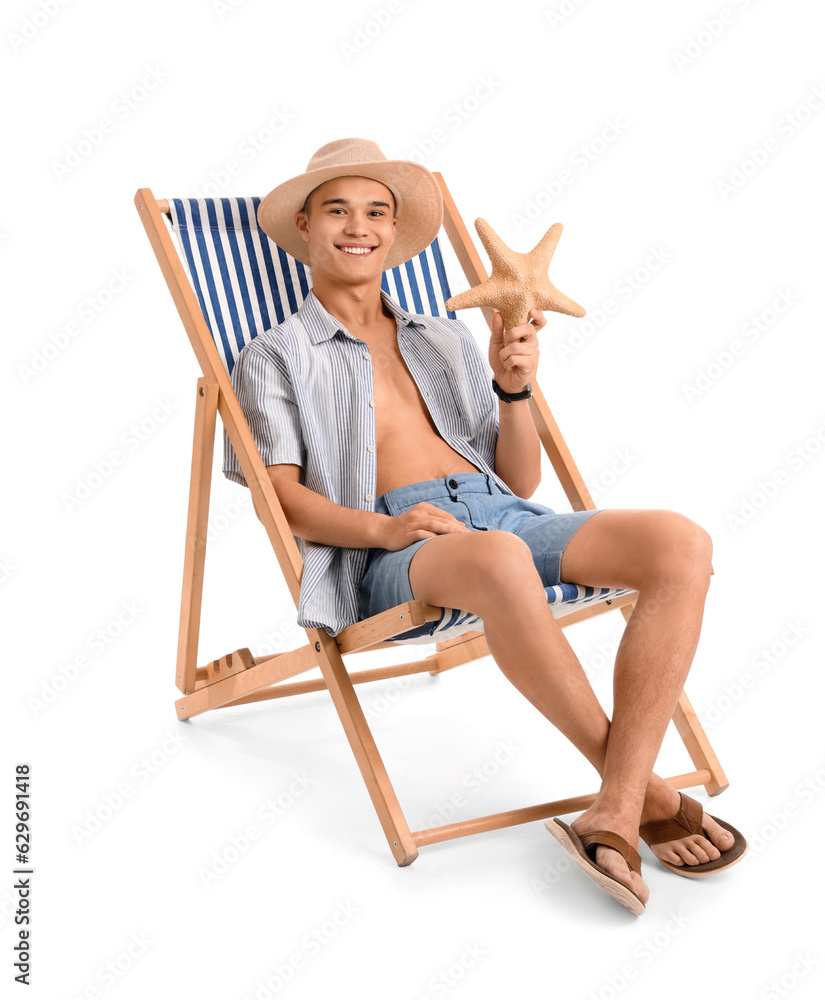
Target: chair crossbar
(530,814)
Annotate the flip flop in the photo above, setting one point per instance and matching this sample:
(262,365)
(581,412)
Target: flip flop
(688,820)
(583,851)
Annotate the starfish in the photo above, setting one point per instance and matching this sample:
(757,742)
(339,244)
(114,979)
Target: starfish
(519,281)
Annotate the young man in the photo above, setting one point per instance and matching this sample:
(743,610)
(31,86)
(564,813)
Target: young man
(404,476)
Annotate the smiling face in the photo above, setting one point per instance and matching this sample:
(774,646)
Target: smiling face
(349,225)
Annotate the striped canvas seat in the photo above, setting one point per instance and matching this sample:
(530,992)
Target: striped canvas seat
(562,600)
(245,284)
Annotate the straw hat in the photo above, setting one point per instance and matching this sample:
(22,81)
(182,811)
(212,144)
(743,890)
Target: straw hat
(417,196)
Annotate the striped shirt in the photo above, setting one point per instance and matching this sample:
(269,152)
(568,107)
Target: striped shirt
(306,388)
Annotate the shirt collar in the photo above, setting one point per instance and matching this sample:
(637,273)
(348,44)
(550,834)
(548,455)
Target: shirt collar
(322,326)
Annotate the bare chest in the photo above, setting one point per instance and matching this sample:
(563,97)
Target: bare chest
(392,378)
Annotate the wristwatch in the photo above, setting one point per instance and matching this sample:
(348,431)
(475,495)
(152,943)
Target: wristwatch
(512,397)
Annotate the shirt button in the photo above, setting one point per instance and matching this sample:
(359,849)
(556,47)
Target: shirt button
(367,357)
(372,403)
(369,497)
(370,448)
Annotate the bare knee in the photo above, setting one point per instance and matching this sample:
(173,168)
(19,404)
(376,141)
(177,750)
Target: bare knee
(503,572)
(477,572)
(680,552)
(498,556)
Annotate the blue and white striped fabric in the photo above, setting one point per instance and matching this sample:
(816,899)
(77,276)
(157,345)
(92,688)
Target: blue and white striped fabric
(245,285)
(563,600)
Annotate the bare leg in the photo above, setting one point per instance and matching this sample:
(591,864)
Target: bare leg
(666,558)
(492,574)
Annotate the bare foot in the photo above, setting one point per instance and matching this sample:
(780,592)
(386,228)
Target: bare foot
(606,857)
(662,802)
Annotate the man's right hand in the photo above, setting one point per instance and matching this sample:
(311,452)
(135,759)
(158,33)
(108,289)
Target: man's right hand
(425,520)
(317,519)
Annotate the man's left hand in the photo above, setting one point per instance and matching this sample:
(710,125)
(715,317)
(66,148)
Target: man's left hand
(514,353)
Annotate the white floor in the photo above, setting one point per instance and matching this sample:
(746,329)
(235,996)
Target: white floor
(238,855)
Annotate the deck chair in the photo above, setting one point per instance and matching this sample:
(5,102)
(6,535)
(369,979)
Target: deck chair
(230,282)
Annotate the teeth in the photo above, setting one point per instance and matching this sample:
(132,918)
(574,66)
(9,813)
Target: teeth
(356,250)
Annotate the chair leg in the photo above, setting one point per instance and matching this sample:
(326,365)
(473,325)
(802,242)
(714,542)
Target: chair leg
(200,485)
(698,745)
(396,830)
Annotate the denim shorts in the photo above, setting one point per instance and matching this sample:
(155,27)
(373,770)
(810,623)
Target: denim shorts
(479,502)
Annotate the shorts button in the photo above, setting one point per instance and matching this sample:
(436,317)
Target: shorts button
(453,484)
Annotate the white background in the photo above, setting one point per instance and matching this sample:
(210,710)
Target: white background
(712,170)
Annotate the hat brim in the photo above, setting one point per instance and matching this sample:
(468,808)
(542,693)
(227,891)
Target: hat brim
(418,203)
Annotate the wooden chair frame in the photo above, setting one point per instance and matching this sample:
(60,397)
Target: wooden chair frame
(239,678)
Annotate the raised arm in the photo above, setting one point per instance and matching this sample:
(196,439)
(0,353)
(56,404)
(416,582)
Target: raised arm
(514,356)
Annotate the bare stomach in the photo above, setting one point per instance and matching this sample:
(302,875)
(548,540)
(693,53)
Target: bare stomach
(414,456)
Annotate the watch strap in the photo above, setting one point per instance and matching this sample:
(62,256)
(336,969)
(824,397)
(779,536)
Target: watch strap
(512,397)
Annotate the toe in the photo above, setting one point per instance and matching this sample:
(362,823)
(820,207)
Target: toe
(615,865)
(712,853)
(699,853)
(685,853)
(719,837)
(670,855)
(699,849)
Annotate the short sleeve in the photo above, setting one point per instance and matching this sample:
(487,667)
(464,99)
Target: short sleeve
(265,393)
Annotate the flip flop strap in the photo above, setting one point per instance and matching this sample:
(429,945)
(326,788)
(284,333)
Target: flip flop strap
(608,839)
(687,819)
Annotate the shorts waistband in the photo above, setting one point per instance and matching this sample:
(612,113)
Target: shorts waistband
(436,489)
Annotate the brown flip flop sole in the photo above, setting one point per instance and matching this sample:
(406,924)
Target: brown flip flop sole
(688,821)
(571,842)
